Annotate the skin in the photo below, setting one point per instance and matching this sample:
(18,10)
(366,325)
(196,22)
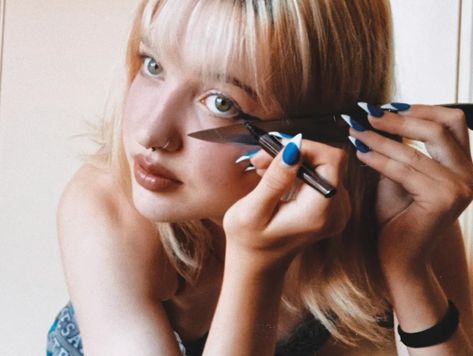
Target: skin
(136,287)
(169,105)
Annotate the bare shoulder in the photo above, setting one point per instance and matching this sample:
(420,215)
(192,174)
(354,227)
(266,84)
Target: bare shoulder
(95,210)
(94,188)
(95,216)
(116,270)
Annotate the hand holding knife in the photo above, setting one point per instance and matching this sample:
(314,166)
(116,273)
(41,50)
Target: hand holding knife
(326,128)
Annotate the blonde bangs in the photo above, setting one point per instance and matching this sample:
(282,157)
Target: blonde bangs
(264,47)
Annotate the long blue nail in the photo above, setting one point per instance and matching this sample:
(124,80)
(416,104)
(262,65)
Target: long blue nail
(353,123)
(372,110)
(360,146)
(396,106)
(292,152)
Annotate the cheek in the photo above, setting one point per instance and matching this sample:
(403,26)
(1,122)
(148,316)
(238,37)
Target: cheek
(221,174)
(138,104)
(129,116)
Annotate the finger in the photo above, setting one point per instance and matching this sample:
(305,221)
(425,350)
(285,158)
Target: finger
(277,180)
(261,160)
(314,152)
(453,119)
(309,206)
(411,156)
(439,140)
(413,181)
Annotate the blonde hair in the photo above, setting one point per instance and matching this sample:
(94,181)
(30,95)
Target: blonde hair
(306,56)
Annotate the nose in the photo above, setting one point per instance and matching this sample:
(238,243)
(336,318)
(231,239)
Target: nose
(161,124)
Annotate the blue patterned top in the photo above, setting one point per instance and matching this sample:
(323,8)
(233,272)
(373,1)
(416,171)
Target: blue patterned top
(64,338)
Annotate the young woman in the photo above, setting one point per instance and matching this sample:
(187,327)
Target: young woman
(173,245)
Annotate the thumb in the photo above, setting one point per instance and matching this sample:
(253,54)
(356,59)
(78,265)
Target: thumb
(278,178)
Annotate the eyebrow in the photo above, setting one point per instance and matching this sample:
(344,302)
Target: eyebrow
(144,41)
(232,80)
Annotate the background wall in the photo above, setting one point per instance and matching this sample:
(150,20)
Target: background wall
(59,61)
(60,58)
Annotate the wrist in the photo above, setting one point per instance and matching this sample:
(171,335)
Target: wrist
(260,263)
(405,272)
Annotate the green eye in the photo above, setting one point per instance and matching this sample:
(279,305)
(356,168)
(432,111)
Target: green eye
(223,104)
(220,105)
(151,67)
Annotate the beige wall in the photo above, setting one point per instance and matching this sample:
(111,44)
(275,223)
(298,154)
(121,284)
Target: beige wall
(434,61)
(58,63)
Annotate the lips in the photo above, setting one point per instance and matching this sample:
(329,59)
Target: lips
(152,176)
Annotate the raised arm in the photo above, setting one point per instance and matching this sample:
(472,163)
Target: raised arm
(263,236)
(419,199)
(114,269)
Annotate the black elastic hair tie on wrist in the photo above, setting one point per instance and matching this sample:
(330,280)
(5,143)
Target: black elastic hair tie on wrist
(437,334)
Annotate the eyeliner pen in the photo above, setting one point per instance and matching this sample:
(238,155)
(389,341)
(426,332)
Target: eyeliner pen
(305,172)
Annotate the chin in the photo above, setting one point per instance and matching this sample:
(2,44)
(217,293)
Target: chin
(164,209)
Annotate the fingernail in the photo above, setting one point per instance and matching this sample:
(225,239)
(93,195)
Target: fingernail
(250,168)
(246,156)
(396,106)
(353,123)
(280,135)
(292,153)
(360,146)
(372,110)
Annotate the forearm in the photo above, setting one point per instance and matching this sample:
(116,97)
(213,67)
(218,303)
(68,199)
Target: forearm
(419,303)
(246,317)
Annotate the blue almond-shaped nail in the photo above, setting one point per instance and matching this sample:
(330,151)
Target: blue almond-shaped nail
(292,152)
(396,106)
(353,123)
(372,110)
(360,146)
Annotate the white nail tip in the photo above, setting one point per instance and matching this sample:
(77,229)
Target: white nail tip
(352,140)
(347,119)
(389,107)
(364,106)
(275,134)
(297,140)
(242,158)
(250,168)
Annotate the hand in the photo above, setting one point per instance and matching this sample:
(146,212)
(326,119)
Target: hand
(269,230)
(418,196)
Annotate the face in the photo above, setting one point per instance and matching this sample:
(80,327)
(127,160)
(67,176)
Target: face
(189,178)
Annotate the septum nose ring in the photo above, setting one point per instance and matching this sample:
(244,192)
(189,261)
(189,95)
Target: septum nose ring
(163,147)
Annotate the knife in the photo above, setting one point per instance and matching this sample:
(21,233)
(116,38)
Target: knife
(326,128)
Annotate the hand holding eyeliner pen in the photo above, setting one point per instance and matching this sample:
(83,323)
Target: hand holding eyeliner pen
(305,172)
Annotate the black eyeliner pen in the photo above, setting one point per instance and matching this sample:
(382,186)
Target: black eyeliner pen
(305,172)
